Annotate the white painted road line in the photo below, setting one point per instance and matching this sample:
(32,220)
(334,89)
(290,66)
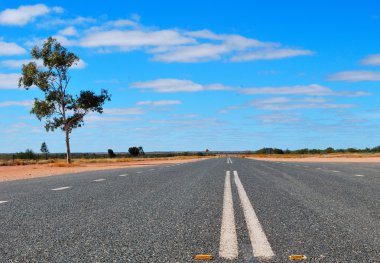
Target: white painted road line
(2,202)
(260,245)
(123,175)
(228,247)
(336,171)
(152,169)
(61,188)
(99,180)
(229,160)
(359,175)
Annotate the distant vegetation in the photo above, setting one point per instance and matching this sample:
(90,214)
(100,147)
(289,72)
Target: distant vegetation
(328,150)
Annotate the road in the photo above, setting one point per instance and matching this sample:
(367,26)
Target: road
(237,210)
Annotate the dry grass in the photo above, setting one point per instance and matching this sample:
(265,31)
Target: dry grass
(79,162)
(331,155)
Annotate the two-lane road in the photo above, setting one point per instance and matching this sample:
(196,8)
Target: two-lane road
(237,210)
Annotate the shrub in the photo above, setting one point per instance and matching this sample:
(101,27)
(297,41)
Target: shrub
(111,154)
(134,151)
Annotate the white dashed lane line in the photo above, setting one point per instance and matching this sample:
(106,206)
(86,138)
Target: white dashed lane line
(2,202)
(228,247)
(99,180)
(336,171)
(359,175)
(139,172)
(122,175)
(61,188)
(260,245)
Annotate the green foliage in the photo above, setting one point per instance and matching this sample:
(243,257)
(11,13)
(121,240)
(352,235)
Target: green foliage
(44,148)
(111,154)
(59,109)
(27,155)
(329,150)
(134,151)
(141,150)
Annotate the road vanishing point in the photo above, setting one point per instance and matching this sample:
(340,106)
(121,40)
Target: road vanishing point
(233,209)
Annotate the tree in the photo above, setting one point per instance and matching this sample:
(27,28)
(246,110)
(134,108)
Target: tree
(329,150)
(111,154)
(44,149)
(134,151)
(59,108)
(141,150)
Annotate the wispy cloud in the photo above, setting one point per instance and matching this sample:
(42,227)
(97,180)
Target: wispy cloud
(176,85)
(17,63)
(271,54)
(372,60)
(10,49)
(158,102)
(282,103)
(175,45)
(23,103)
(310,90)
(355,76)
(25,14)
(277,118)
(9,81)
(123,111)
(179,85)
(68,31)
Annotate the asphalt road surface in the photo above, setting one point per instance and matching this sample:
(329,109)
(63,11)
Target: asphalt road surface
(236,210)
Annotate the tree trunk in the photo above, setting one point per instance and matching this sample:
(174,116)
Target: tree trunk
(68,154)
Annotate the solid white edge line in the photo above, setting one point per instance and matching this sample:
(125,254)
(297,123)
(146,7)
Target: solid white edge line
(2,202)
(99,180)
(228,246)
(260,245)
(61,188)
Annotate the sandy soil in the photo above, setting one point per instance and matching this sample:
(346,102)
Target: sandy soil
(10,173)
(322,159)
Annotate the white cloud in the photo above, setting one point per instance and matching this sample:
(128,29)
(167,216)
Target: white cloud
(123,111)
(25,14)
(277,118)
(10,49)
(158,102)
(355,76)
(17,63)
(282,103)
(23,103)
(80,65)
(108,119)
(179,85)
(127,40)
(175,45)
(9,81)
(271,54)
(373,60)
(68,31)
(168,85)
(311,90)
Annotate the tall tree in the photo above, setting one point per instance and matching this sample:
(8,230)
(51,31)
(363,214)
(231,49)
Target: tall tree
(44,149)
(59,108)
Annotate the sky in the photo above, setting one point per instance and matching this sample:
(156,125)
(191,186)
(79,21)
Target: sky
(195,75)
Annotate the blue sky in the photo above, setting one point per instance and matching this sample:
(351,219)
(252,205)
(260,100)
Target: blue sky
(191,75)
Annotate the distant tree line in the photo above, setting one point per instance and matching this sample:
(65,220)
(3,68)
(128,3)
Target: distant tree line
(317,151)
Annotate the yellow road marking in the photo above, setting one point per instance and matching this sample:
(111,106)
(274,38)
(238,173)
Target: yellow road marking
(204,257)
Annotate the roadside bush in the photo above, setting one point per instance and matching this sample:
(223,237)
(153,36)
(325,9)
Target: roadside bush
(134,151)
(27,155)
(111,154)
